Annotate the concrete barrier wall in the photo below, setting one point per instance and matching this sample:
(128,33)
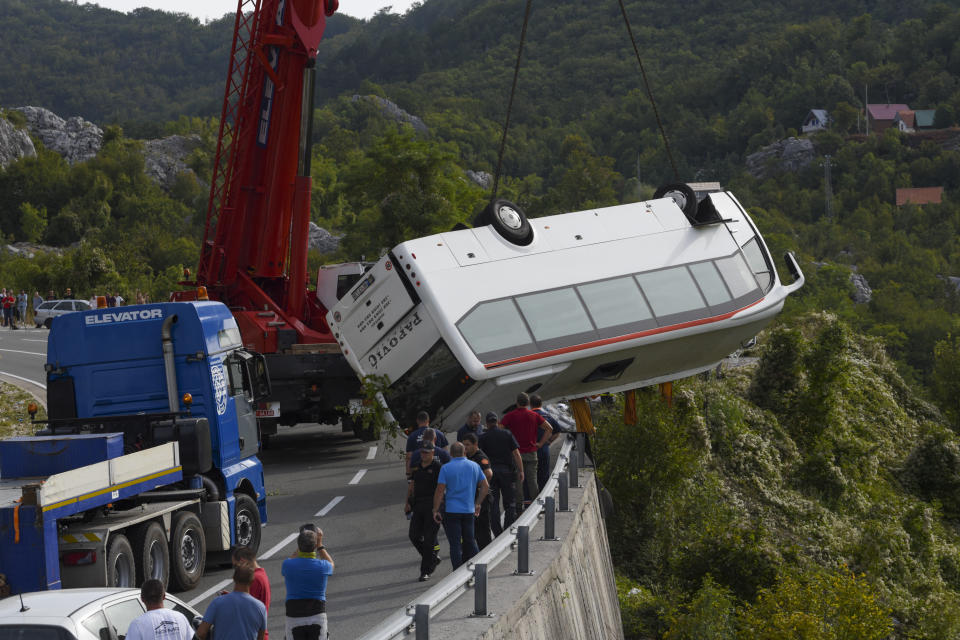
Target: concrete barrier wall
(572,594)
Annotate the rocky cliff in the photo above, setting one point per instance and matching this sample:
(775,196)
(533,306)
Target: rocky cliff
(15,143)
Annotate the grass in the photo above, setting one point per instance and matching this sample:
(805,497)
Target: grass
(14,419)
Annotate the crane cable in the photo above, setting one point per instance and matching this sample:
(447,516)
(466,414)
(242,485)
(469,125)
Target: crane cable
(513,90)
(646,84)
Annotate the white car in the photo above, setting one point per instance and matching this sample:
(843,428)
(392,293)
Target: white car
(44,314)
(95,613)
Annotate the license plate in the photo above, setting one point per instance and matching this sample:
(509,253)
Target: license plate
(271,410)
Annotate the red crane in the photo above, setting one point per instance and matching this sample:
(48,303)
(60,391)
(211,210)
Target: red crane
(254,252)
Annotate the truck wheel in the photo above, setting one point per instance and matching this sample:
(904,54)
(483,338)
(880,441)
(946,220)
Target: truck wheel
(246,520)
(48,323)
(120,563)
(188,551)
(152,559)
(364,434)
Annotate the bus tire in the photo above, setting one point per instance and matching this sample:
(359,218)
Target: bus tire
(48,323)
(188,551)
(246,522)
(361,432)
(151,553)
(121,570)
(683,195)
(508,220)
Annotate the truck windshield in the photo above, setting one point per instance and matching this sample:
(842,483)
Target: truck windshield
(432,384)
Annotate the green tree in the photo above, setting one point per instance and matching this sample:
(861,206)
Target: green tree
(33,222)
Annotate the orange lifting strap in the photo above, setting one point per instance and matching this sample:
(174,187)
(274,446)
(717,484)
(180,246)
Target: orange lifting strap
(581,414)
(630,407)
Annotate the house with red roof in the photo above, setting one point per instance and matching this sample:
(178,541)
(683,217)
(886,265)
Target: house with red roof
(919,196)
(881,116)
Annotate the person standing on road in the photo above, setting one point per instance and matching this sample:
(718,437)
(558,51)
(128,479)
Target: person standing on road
(305,576)
(504,453)
(22,307)
(260,588)
(524,423)
(429,435)
(8,303)
(464,487)
(418,507)
(413,440)
(37,301)
(543,453)
(158,623)
(482,522)
(474,425)
(236,615)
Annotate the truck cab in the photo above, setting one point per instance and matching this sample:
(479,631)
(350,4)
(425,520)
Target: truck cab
(148,459)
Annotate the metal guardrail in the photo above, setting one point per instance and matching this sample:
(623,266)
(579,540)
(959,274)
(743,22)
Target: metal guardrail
(417,613)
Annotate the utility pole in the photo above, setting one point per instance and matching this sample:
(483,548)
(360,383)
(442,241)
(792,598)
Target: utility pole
(827,188)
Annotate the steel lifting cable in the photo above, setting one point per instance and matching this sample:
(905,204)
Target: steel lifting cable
(513,90)
(646,84)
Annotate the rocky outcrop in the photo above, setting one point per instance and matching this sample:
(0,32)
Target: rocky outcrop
(322,240)
(14,143)
(393,112)
(164,159)
(786,156)
(480,178)
(862,291)
(74,138)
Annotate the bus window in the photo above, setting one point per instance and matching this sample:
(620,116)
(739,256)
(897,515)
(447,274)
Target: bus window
(737,275)
(555,314)
(496,327)
(432,384)
(711,284)
(616,303)
(670,291)
(758,264)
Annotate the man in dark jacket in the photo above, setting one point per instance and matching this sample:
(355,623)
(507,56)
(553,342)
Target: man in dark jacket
(419,507)
(504,455)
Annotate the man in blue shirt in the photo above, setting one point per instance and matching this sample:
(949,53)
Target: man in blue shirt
(463,485)
(416,436)
(305,576)
(236,615)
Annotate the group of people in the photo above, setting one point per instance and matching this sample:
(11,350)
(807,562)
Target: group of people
(494,463)
(14,307)
(241,614)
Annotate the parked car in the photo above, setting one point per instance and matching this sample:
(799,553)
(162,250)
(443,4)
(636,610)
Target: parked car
(44,314)
(94,613)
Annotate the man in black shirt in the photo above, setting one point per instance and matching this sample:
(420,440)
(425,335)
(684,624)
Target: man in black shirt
(504,454)
(419,504)
(474,425)
(482,522)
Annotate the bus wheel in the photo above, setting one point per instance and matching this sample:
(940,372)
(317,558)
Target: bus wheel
(188,551)
(120,564)
(152,557)
(682,195)
(246,522)
(508,219)
(362,433)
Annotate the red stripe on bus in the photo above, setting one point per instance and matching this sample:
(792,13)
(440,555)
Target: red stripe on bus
(632,336)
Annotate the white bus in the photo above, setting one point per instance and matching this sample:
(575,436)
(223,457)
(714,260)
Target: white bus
(565,306)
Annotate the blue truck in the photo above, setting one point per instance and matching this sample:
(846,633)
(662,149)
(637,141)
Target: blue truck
(147,462)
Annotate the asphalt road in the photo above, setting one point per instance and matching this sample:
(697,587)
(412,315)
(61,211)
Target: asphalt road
(353,490)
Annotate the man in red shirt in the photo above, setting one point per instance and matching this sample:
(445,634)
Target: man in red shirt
(260,588)
(523,423)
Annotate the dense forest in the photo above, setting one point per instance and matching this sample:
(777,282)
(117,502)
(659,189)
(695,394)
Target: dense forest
(837,458)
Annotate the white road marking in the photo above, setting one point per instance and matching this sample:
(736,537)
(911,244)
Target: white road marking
(39,384)
(372,453)
(356,478)
(209,592)
(29,353)
(329,507)
(32,340)
(279,547)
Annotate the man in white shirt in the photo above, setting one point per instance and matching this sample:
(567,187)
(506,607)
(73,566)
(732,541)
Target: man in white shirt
(158,623)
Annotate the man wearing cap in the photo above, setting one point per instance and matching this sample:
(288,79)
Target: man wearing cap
(305,577)
(415,437)
(429,435)
(464,487)
(504,455)
(423,528)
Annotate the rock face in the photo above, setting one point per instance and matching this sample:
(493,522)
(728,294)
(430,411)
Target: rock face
(75,139)
(165,158)
(790,155)
(14,143)
(480,178)
(863,292)
(392,111)
(322,240)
